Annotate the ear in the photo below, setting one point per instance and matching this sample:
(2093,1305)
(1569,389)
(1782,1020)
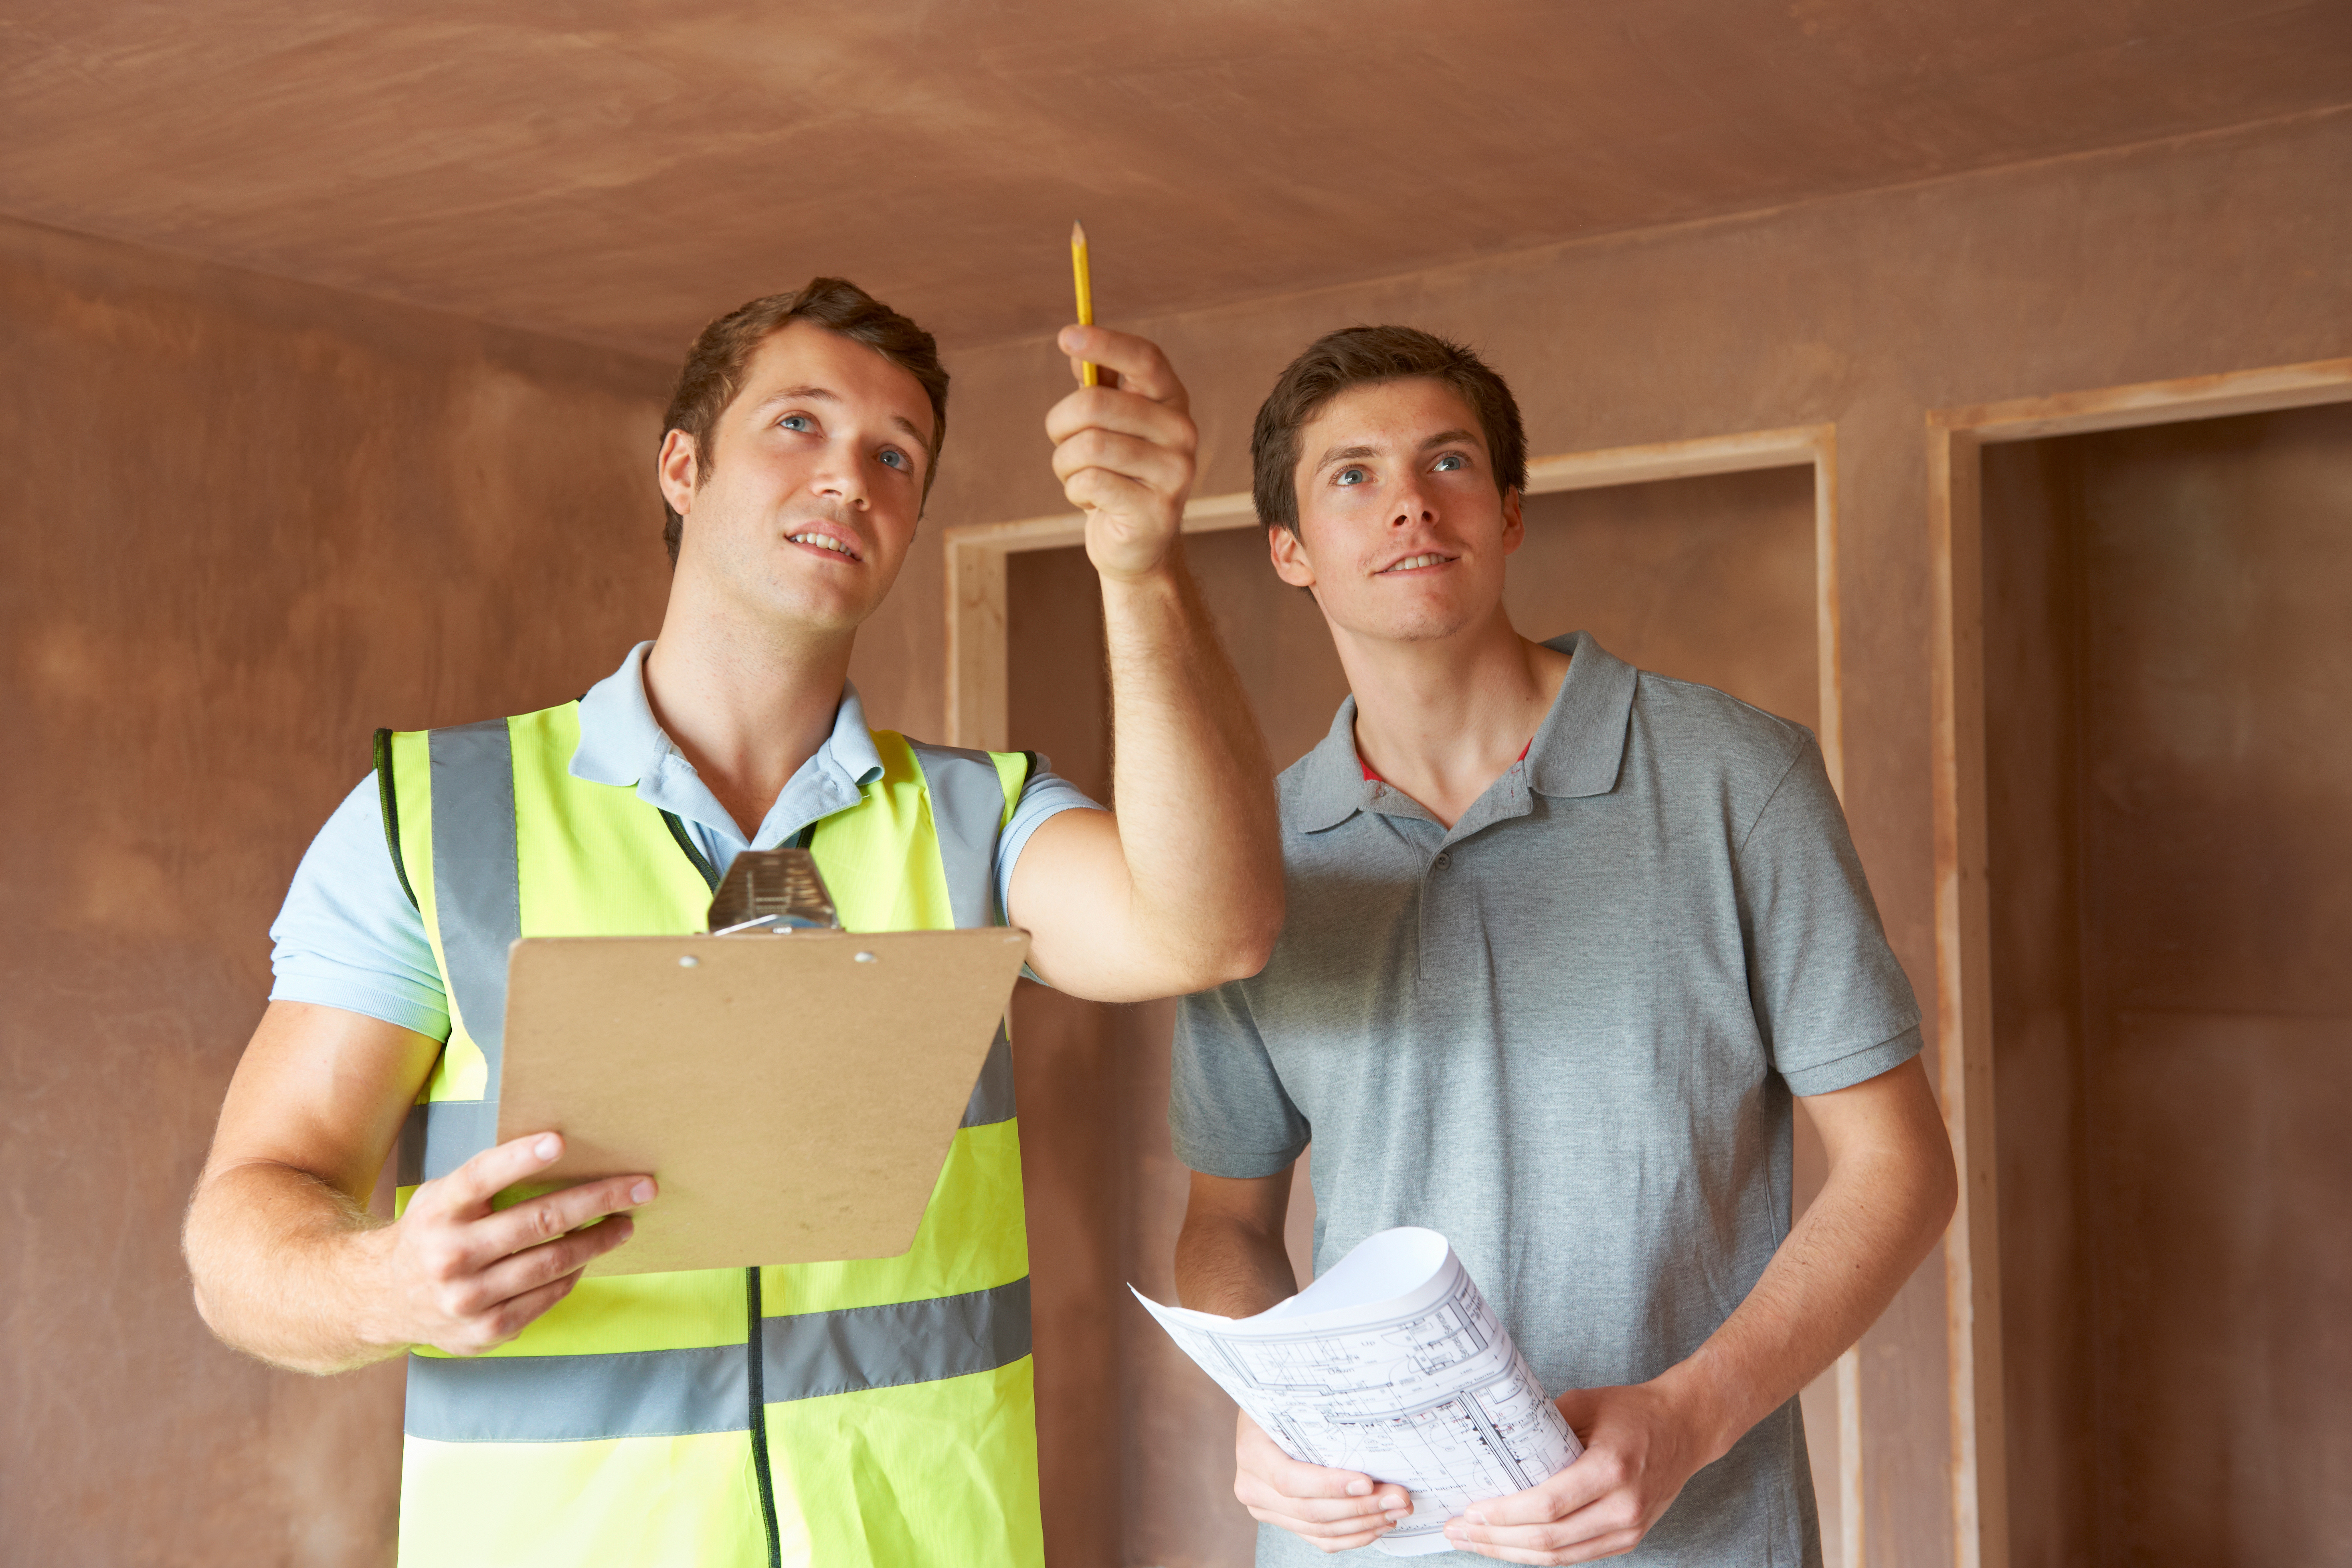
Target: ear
(1289,554)
(1515,527)
(676,472)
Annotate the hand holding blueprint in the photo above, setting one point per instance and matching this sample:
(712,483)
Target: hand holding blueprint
(1393,1364)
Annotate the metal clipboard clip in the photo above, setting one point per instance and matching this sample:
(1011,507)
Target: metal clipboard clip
(772,892)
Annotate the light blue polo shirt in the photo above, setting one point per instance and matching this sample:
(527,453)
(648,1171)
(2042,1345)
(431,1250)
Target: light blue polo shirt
(348,937)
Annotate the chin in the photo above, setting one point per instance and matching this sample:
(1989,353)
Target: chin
(797,605)
(1427,624)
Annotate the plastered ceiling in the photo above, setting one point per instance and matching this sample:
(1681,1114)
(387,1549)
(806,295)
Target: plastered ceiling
(617,172)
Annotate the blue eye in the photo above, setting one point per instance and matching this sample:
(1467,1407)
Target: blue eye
(896,459)
(796,422)
(1350,476)
(1448,463)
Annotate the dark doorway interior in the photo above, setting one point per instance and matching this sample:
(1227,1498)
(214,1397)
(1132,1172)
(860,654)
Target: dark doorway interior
(2169,756)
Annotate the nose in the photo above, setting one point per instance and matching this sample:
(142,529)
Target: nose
(1410,507)
(840,475)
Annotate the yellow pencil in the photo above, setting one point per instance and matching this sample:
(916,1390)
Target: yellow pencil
(1086,374)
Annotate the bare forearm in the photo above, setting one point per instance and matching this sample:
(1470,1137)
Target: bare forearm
(1233,1269)
(281,1263)
(1877,1218)
(1191,784)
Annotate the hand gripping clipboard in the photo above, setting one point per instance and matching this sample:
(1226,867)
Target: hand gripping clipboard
(792,1087)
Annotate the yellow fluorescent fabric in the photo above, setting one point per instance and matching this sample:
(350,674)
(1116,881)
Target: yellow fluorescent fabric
(866,1444)
(650,1502)
(944,1470)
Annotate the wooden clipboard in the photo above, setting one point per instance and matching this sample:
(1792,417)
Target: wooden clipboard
(794,1095)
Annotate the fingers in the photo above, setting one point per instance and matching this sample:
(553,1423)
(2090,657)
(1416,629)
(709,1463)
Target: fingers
(552,1215)
(1110,408)
(1531,1545)
(1140,367)
(468,1279)
(530,1269)
(511,1317)
(1335,1509)
(1594,1475)
(488,1173)
(1156,469)
(1583,1513)
(1102,377)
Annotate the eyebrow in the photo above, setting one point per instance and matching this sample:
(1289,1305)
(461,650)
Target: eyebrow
(826,395)
(1354,454)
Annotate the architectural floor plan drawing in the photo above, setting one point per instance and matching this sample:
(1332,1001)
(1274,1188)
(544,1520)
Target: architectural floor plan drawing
(1393,1364)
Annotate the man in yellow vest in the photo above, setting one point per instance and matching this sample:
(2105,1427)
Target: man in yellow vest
(851,1413)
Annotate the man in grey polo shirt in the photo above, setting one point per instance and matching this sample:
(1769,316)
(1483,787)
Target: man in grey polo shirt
(1564,939)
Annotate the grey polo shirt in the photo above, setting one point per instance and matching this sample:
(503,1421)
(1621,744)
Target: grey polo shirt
(1565,1034)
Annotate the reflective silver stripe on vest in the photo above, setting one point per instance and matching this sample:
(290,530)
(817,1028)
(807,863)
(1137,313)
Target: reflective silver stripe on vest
(477,903)
(967,809)
(477,882)
(442,1134)
(661,1394)
(991,1097)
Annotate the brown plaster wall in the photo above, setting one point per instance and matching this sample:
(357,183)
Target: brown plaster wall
(245,523)
(2171,827)
(2209,255)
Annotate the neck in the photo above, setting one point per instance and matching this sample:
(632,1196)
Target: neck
(1442,719)
(745,700)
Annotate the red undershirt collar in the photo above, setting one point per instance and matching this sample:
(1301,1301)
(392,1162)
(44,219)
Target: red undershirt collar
(1375,778)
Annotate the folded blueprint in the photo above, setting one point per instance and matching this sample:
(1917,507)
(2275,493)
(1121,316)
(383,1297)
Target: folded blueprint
(1393,1364)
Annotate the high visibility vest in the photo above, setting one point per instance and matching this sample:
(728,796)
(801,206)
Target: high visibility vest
(838,1413)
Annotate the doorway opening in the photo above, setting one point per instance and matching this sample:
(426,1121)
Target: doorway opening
(2168,794)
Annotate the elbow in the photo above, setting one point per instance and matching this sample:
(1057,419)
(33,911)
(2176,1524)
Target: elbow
(1239,954)
(1251,942)
(1943,1192)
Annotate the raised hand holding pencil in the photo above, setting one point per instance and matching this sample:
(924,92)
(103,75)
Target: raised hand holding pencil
(1123,442)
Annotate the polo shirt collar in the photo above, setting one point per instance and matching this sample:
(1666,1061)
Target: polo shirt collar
(1577,750)
(1581,742)
(622,743)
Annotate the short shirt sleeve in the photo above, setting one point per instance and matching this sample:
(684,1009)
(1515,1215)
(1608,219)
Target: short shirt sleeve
(1835,1006)
(348,936)
(1228,1113)
(1045,796)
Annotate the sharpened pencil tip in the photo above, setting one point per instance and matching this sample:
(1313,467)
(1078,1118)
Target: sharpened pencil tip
(1078,233)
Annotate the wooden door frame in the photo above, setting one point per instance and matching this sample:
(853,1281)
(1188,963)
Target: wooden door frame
(1956,439)
(976,686)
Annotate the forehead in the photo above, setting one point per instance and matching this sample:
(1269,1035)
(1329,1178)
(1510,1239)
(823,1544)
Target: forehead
(1399,413)
(802,353)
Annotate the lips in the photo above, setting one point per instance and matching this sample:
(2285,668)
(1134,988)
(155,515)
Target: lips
(1414,563)
(825,539)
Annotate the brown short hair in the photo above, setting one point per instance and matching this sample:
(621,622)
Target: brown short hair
(1359,356)
(713,375)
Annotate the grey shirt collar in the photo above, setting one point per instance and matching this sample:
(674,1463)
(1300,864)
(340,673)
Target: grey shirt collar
(1576,752)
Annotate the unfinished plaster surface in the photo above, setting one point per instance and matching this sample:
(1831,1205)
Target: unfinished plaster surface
(1867,311)
(622,172)
(246,522)
(2169,807)
(1706,579)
